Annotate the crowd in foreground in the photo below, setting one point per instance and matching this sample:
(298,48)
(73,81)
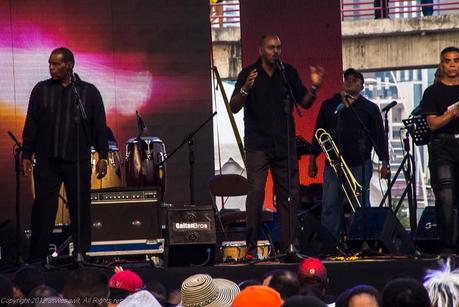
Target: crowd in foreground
(306,287)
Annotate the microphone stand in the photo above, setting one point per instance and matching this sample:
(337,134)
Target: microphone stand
(80,119)
(80,114)
(339,129)
(365,248)
(18,170)
(291,254)
(189,139)
(386,136)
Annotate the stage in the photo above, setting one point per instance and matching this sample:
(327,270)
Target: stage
(342,273)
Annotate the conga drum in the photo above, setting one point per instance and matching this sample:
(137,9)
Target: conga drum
(144,162)
(235,251)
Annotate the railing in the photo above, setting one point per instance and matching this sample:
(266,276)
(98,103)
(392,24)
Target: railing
(376,9)
(225,14)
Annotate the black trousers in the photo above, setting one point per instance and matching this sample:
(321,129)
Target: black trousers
(444,173)
(48,177)
(258,164)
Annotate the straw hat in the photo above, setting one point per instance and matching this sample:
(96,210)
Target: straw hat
(201,290)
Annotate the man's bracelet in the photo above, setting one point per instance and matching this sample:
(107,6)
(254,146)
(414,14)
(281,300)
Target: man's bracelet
(243,93)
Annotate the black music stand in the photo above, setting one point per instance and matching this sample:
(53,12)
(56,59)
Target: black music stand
(418,128)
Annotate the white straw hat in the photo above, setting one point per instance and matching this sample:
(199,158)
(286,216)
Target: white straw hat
(201,290)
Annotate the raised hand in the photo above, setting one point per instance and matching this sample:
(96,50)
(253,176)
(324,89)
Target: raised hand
(250,81)
(317,74)
(101,168)
(27,166)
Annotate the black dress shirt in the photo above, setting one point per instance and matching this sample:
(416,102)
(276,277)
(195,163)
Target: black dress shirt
(50,130)
(264,110)
(346,129)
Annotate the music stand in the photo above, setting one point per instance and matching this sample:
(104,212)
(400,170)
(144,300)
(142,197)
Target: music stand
(419,131)
(418,128)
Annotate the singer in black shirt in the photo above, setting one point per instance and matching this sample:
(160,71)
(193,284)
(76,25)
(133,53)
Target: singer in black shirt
(338,116)
(440,106)
(49,136)
(260,89)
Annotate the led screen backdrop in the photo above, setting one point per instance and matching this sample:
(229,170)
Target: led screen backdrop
(150,56)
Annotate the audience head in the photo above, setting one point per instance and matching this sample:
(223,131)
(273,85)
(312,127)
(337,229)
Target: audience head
(405,292)
(316,292)
(158,290)
(6,290)
(247,283)
(25,279)
(303,301)
(285,282)
(141,298)
(124,283)
(41,292)
(363,295)
(258,296)
(443,286)
(341,300)
(87,283)
(201,290)
(312,272)
(54,301)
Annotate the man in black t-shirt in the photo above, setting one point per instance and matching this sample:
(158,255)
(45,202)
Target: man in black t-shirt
(440,105)
(261,90)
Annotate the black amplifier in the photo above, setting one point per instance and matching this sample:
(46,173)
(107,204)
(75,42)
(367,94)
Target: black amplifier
(120,214)
(125,195)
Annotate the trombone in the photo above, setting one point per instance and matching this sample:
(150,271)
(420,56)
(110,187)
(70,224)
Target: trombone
(349,184)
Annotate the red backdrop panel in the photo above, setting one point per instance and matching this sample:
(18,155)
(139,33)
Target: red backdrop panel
(310,32)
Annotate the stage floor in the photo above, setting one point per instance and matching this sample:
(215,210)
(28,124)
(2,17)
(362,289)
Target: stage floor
(342,273)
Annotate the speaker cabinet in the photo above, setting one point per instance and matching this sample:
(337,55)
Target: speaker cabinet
(384,232)
(315,240)
(121,215)
(191,236)
(427,237)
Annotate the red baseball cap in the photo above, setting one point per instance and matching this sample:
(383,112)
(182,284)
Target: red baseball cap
(312,269)
(126,280)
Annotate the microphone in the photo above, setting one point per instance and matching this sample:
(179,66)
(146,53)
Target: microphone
(389,106)
(279,64)
(339,108)
(342,105)
(348,96)
(140,122)
(14,139)
(72,76)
